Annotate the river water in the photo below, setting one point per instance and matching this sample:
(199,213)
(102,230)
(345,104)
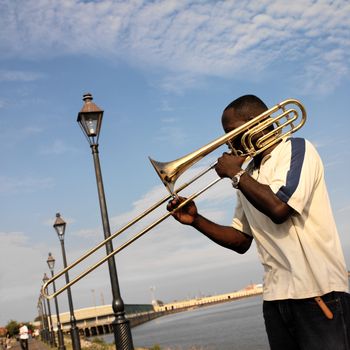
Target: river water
(235,325)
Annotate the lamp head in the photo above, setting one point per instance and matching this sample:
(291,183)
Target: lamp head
(51,262)
(90,119)
(60,226)
(45,278)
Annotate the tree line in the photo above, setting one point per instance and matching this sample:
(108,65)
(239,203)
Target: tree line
(12,328)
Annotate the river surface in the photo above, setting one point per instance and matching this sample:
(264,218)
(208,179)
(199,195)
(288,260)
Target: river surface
(235,325)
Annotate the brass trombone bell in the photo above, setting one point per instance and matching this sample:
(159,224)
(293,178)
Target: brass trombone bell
(286,117)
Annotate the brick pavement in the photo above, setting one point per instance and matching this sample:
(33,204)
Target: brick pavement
(33,344)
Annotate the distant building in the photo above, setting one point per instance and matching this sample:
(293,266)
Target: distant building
(101,313)
(156,303)
(250,290)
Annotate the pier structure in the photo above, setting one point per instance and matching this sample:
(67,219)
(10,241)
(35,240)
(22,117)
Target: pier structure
(97,320)
(251,290)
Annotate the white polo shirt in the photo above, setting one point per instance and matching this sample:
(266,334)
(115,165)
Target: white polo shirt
(302,257)
(23,332)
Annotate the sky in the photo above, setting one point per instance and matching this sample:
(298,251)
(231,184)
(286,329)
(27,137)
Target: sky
(162,71)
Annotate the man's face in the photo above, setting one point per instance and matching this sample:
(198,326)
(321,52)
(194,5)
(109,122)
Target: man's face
(231,121)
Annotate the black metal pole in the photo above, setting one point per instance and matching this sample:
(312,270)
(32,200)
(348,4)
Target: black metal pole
(61,345)
(52,332)
(74,330)
(41,327)
(44,328)
(121,325)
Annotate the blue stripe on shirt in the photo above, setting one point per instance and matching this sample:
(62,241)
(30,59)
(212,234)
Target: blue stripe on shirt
(293,175)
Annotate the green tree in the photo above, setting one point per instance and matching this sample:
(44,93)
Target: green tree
(13,328)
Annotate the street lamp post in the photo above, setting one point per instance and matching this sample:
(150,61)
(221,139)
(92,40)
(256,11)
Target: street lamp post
(51,264)
(41,327)
(60,227)
(43,318)
(90,119)
(52,332)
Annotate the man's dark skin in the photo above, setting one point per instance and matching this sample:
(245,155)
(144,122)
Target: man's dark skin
(259,195)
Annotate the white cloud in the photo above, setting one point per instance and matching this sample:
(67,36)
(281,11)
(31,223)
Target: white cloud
(30,130)
(171,133)
(345,209)
(19,76)
(165,106)
(3,103)
(24,264)
(20,276)
(58,147)
(177,82)
(13,135)
(24,185)
(87,233)
(192,39)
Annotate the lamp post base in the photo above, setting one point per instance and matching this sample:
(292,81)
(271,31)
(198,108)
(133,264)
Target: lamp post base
(122,335)
(61,345)
(53,339)
(74,332)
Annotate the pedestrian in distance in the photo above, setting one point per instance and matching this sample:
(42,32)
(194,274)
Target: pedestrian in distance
(283,205)
(8,341)
(23,336)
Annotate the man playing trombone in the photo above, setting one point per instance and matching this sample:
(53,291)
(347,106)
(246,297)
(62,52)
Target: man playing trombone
(282,203)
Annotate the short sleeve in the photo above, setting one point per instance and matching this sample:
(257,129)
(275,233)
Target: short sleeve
(240,221)
(296,173)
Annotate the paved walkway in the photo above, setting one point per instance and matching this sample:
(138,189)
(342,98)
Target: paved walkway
(33,344)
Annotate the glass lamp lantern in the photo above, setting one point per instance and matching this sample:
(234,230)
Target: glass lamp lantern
(45,278)
(51,262)
(60,226)
(90,119)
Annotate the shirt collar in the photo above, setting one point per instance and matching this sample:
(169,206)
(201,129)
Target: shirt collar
(251,166)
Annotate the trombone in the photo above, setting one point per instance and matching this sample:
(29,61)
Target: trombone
(290,114)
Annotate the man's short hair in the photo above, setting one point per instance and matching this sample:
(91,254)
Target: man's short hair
(247,106)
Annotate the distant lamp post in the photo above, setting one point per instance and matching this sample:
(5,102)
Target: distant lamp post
(43,316)
(42,326)
(60,227)
(90,120)
(52,336)
(51,264)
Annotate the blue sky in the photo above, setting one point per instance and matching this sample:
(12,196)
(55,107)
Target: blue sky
(162,71)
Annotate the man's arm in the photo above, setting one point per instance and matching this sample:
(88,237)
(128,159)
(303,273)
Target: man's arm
(263,199)
(259,195)
(226,236)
